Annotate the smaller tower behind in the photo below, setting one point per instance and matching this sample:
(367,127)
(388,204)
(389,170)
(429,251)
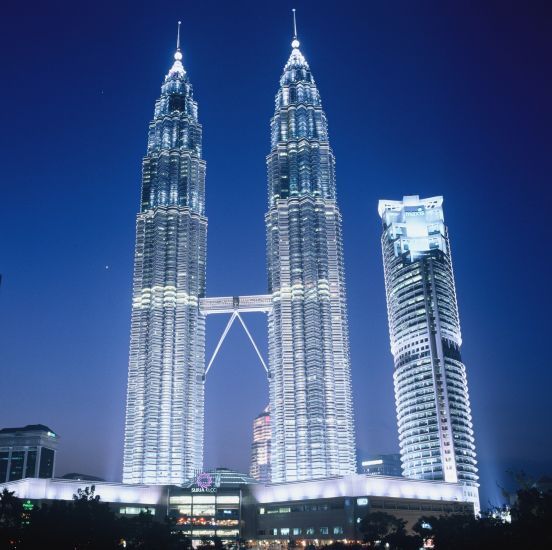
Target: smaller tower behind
(260,448)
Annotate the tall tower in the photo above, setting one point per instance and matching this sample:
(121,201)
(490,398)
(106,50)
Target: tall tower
(260,448)
(164,415)
(431,390)
(309,370)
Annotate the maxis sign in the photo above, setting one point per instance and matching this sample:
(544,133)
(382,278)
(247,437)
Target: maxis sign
(204,483)
(414,213)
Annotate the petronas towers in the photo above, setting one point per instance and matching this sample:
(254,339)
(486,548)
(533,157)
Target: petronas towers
(309,375)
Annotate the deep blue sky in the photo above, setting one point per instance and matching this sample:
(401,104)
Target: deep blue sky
(422,98)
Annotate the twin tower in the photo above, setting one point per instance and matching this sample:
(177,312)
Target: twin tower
(309,374)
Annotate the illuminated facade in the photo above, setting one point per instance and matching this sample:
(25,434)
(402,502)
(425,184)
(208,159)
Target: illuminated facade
(431,390)
(226,504)
(309,369)
(164,414)
(260,448)
(382,465)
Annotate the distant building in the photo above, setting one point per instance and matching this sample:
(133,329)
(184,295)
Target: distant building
(29,451)
(382,465)
(260,448)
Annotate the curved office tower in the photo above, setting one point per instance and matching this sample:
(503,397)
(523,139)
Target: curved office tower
(164,416)
(431,390)
(310,381)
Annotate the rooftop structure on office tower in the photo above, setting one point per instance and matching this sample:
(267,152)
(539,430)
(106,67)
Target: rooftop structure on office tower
(260,448)
(164,415)
(29,451)
(309,370)
(431,390)
(382,465)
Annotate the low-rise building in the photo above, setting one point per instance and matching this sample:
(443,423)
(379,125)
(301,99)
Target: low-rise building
(26,452)
(382,465)
(232,506)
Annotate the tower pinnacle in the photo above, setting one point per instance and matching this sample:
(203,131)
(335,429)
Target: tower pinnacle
(178,53)
(295,43)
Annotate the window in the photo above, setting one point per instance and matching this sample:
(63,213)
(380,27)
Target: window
(4,456)
(362,501)
(274,531)
(261,510)
(228,499)
(31,463)
(16,467)
(203,509)
(46,468)
(181,500)
(284,531)
(338,530)
(296,531)
(324,530)
(310,531)
(135,510)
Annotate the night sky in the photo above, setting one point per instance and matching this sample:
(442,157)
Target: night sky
(425,98)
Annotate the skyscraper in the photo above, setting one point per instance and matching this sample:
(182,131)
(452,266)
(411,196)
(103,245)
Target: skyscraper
(431,390)
(165,411)
(309,368)
(260,448)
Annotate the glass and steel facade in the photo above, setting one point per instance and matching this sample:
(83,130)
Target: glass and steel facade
(165,398)
(209,505)
(431,390)
(27,452)
(309,366)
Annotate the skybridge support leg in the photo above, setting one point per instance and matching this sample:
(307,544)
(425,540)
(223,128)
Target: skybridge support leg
(252,341)
(228,325)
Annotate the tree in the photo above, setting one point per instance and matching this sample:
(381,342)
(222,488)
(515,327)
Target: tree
(380,528)
(11,512)
(377,525)
(84,523)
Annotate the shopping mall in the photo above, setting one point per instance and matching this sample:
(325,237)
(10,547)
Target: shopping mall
(229,505)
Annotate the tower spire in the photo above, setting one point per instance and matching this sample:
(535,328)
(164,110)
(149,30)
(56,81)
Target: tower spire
(178,53)
(295,43)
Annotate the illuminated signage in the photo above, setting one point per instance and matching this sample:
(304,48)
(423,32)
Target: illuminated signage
(410,213)
(204,483)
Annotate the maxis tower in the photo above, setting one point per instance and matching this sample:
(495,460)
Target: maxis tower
(431,389)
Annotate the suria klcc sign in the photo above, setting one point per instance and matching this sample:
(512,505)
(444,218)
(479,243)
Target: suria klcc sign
(204,483)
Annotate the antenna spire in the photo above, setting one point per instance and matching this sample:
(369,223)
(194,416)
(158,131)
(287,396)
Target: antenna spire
(178,53)
(295,42)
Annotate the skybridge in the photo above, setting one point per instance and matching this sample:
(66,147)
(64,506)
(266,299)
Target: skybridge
(235,305)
